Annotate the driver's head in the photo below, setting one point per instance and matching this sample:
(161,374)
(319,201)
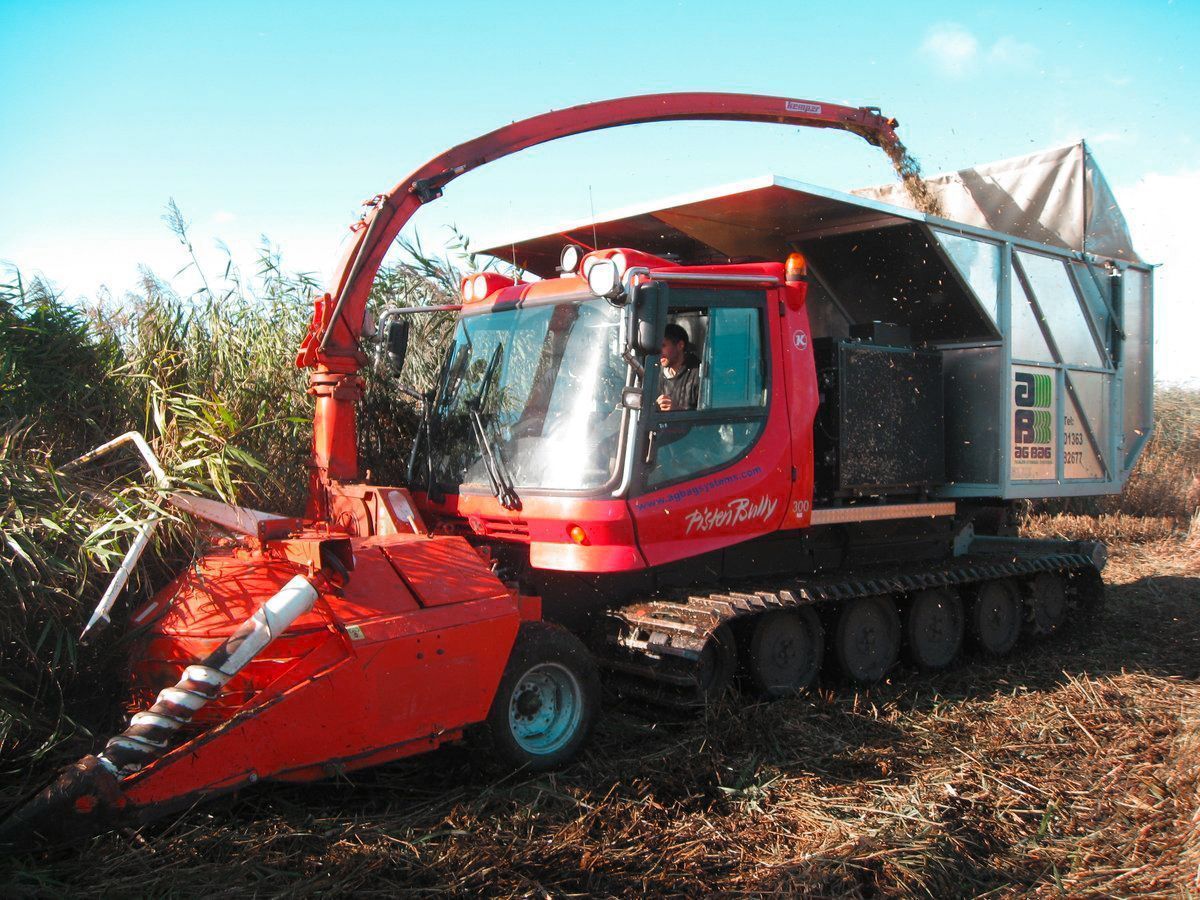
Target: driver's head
(674,346)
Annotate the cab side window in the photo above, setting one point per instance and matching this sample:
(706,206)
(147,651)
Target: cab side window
(726,345)
(732,371)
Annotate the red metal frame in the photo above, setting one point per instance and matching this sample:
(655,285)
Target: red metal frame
(331,346)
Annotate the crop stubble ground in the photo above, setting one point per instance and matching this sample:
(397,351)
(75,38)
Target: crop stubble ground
(1071,768)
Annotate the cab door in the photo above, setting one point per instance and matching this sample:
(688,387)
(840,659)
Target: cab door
(719,474)
(800,383)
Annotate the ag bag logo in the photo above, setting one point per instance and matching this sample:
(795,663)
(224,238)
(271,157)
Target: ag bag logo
(1032,420)
(1033,429)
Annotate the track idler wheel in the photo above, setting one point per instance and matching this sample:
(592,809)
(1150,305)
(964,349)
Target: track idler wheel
(1048,599)
(866,639)
(785,650)
(933,629)
(994,617)
(547,701)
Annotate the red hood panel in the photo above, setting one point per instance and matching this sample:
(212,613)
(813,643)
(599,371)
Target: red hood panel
(444,570)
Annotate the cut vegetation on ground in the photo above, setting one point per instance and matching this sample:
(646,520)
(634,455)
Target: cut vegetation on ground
(1073,768)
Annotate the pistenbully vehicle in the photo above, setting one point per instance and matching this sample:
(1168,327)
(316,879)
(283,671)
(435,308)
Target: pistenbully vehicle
(877,386)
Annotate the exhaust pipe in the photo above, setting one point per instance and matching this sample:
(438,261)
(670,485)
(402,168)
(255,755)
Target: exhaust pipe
(87,795)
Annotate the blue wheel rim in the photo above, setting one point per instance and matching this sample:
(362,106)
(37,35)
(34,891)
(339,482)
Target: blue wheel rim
(545,709)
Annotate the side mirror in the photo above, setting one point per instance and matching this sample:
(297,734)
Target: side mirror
(646,340)
(647,332)
(397,344)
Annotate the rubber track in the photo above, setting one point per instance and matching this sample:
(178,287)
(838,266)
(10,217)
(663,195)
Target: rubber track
(660,629)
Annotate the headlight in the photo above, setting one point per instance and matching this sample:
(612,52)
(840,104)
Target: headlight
(620,262)
(568,262)
(604,279)
(479,287)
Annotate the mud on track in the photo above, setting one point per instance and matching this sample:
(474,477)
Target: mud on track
(1073,766)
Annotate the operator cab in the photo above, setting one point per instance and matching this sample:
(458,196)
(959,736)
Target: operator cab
(535,395)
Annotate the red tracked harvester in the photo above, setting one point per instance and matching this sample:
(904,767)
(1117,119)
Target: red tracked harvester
(866,392)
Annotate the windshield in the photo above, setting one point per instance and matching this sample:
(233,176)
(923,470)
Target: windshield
(546,382)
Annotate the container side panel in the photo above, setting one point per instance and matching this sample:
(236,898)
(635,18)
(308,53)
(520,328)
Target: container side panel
(1027,340)
(1084,421)
(896,275)
(979,263)
(1060,305)
(1095,302)
(973,388)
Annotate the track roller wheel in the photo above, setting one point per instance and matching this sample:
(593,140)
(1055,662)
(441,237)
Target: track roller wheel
(866,640)
(547,700)
(1048,597)
(933,629)
(785,651)
(994,617)
(716,666)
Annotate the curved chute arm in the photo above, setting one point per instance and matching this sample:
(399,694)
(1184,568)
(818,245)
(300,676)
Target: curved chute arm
(337,323)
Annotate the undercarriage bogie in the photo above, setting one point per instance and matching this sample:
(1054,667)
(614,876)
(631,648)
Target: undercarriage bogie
(934,627)
(783,650)
(857,628)
(1046,598)
(717,665)
(866,640)
(994,612)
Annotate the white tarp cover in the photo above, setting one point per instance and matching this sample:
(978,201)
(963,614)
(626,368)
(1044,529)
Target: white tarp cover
(1056,197)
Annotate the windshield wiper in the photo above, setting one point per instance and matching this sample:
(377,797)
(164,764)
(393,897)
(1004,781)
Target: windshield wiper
(498,475)
(493,462)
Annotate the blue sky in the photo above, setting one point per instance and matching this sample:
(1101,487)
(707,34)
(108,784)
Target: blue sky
(279,118)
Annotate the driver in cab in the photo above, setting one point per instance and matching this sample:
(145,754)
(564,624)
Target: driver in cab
(680,371)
